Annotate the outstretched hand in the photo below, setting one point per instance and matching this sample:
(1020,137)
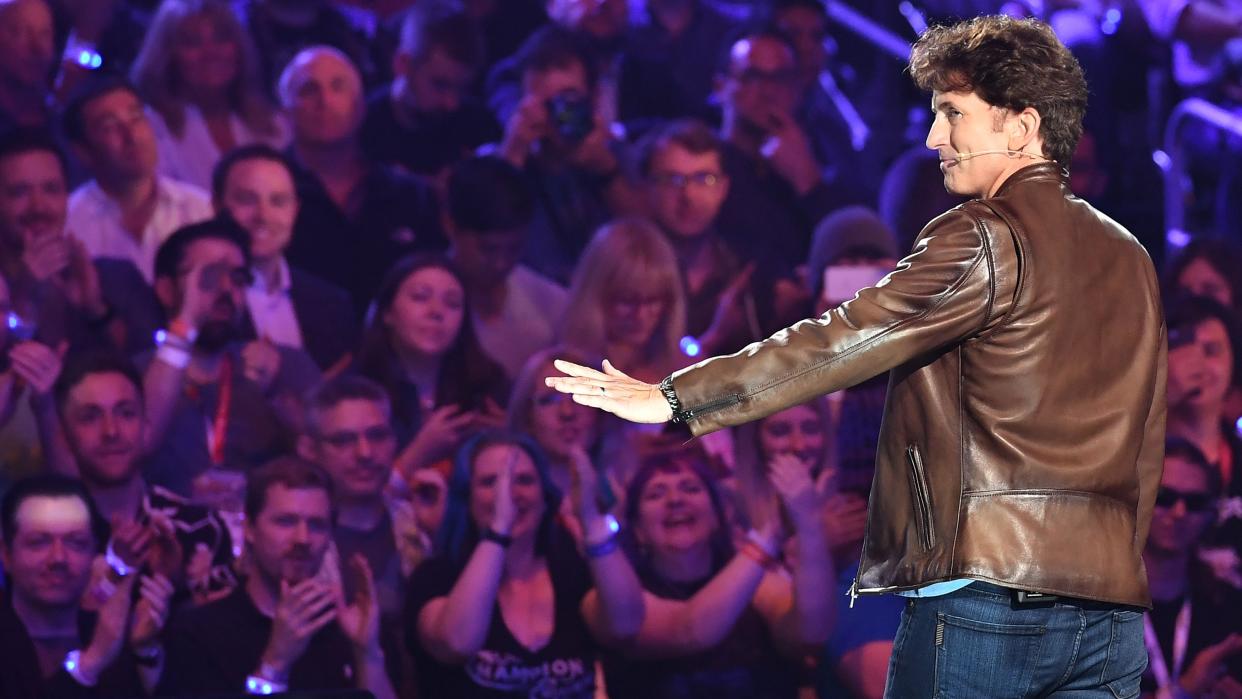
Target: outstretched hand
(611,390)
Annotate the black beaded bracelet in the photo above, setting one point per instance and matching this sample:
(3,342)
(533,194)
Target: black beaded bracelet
(670,395)
(489,534)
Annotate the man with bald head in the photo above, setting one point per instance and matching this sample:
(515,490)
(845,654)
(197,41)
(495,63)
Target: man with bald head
(776,184)
(27,55)
(356,215)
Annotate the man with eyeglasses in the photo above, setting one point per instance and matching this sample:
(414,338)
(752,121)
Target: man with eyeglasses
(349,435)
(217,405)
(778,187)
(685,185)
(1192,636)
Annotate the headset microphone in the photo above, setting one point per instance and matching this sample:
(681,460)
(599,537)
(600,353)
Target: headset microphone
(968,155)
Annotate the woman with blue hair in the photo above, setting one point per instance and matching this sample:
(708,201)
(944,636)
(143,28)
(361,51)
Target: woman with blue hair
(510,607)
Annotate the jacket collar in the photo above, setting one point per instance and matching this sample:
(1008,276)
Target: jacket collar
(1043,171)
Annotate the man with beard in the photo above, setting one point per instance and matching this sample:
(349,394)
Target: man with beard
(53,283)
(349,435)
(283,628)
(203,375)
(127,210)
(52,649)
(99,399)
(426,120)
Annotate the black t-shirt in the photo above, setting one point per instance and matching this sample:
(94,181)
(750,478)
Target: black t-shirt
(432,143)
(745,665)
(213,648)
(564,668)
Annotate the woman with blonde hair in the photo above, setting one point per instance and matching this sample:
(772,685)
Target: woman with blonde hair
(629,303)
(199,72)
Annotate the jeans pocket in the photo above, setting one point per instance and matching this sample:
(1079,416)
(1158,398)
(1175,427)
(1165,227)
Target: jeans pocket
(985,659)
(1127,655)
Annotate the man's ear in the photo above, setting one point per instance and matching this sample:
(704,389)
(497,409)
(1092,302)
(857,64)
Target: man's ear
(1024,130)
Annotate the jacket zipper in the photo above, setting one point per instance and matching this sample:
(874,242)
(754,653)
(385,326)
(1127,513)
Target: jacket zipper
(922,499)
(713,406)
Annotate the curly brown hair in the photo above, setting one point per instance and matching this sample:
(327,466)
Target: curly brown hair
(1012,64)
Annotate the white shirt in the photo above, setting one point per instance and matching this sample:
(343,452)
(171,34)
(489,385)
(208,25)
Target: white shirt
(95,219)
(527,323)
(271,310)
(191,156)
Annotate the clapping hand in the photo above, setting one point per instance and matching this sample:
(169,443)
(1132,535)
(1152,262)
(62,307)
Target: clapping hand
(150,611)
(302,610)
(791,479)
(359,618)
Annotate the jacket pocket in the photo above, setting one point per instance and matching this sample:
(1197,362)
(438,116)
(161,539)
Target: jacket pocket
(921,496)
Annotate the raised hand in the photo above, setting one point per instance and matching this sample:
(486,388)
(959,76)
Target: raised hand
(490,417)
(302,610)
(150,611)
(593,154)
(504,513)
(131,541)
(611,390)
(81,285)
(166,555)
(791,479)
(582,482)
(1209,665)
(359,619)
(37,364)
(261,363)
(46,257)
(527,125)
(197,301)
(439,435)
(110,631)
(788,151)
(729,320)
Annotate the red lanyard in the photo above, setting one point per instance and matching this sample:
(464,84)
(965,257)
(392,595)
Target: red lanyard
(218,426)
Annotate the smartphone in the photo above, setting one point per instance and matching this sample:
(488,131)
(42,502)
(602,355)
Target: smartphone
(842,282)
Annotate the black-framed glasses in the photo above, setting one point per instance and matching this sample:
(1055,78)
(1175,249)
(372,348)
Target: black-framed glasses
(1195,502)
(677,180)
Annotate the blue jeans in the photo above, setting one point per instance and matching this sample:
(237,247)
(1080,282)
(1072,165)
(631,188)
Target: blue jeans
(974,643)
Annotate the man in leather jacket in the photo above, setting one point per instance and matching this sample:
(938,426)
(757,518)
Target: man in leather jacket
(1022,440)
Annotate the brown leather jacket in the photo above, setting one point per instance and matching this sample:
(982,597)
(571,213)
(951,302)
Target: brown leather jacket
(1023,436)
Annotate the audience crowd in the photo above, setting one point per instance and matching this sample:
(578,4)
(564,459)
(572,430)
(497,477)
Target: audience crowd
(280,281)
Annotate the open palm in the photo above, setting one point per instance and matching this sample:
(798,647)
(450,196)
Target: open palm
(611,390)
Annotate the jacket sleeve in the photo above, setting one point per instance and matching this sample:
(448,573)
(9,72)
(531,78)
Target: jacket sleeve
(1150,463)
(960,278)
